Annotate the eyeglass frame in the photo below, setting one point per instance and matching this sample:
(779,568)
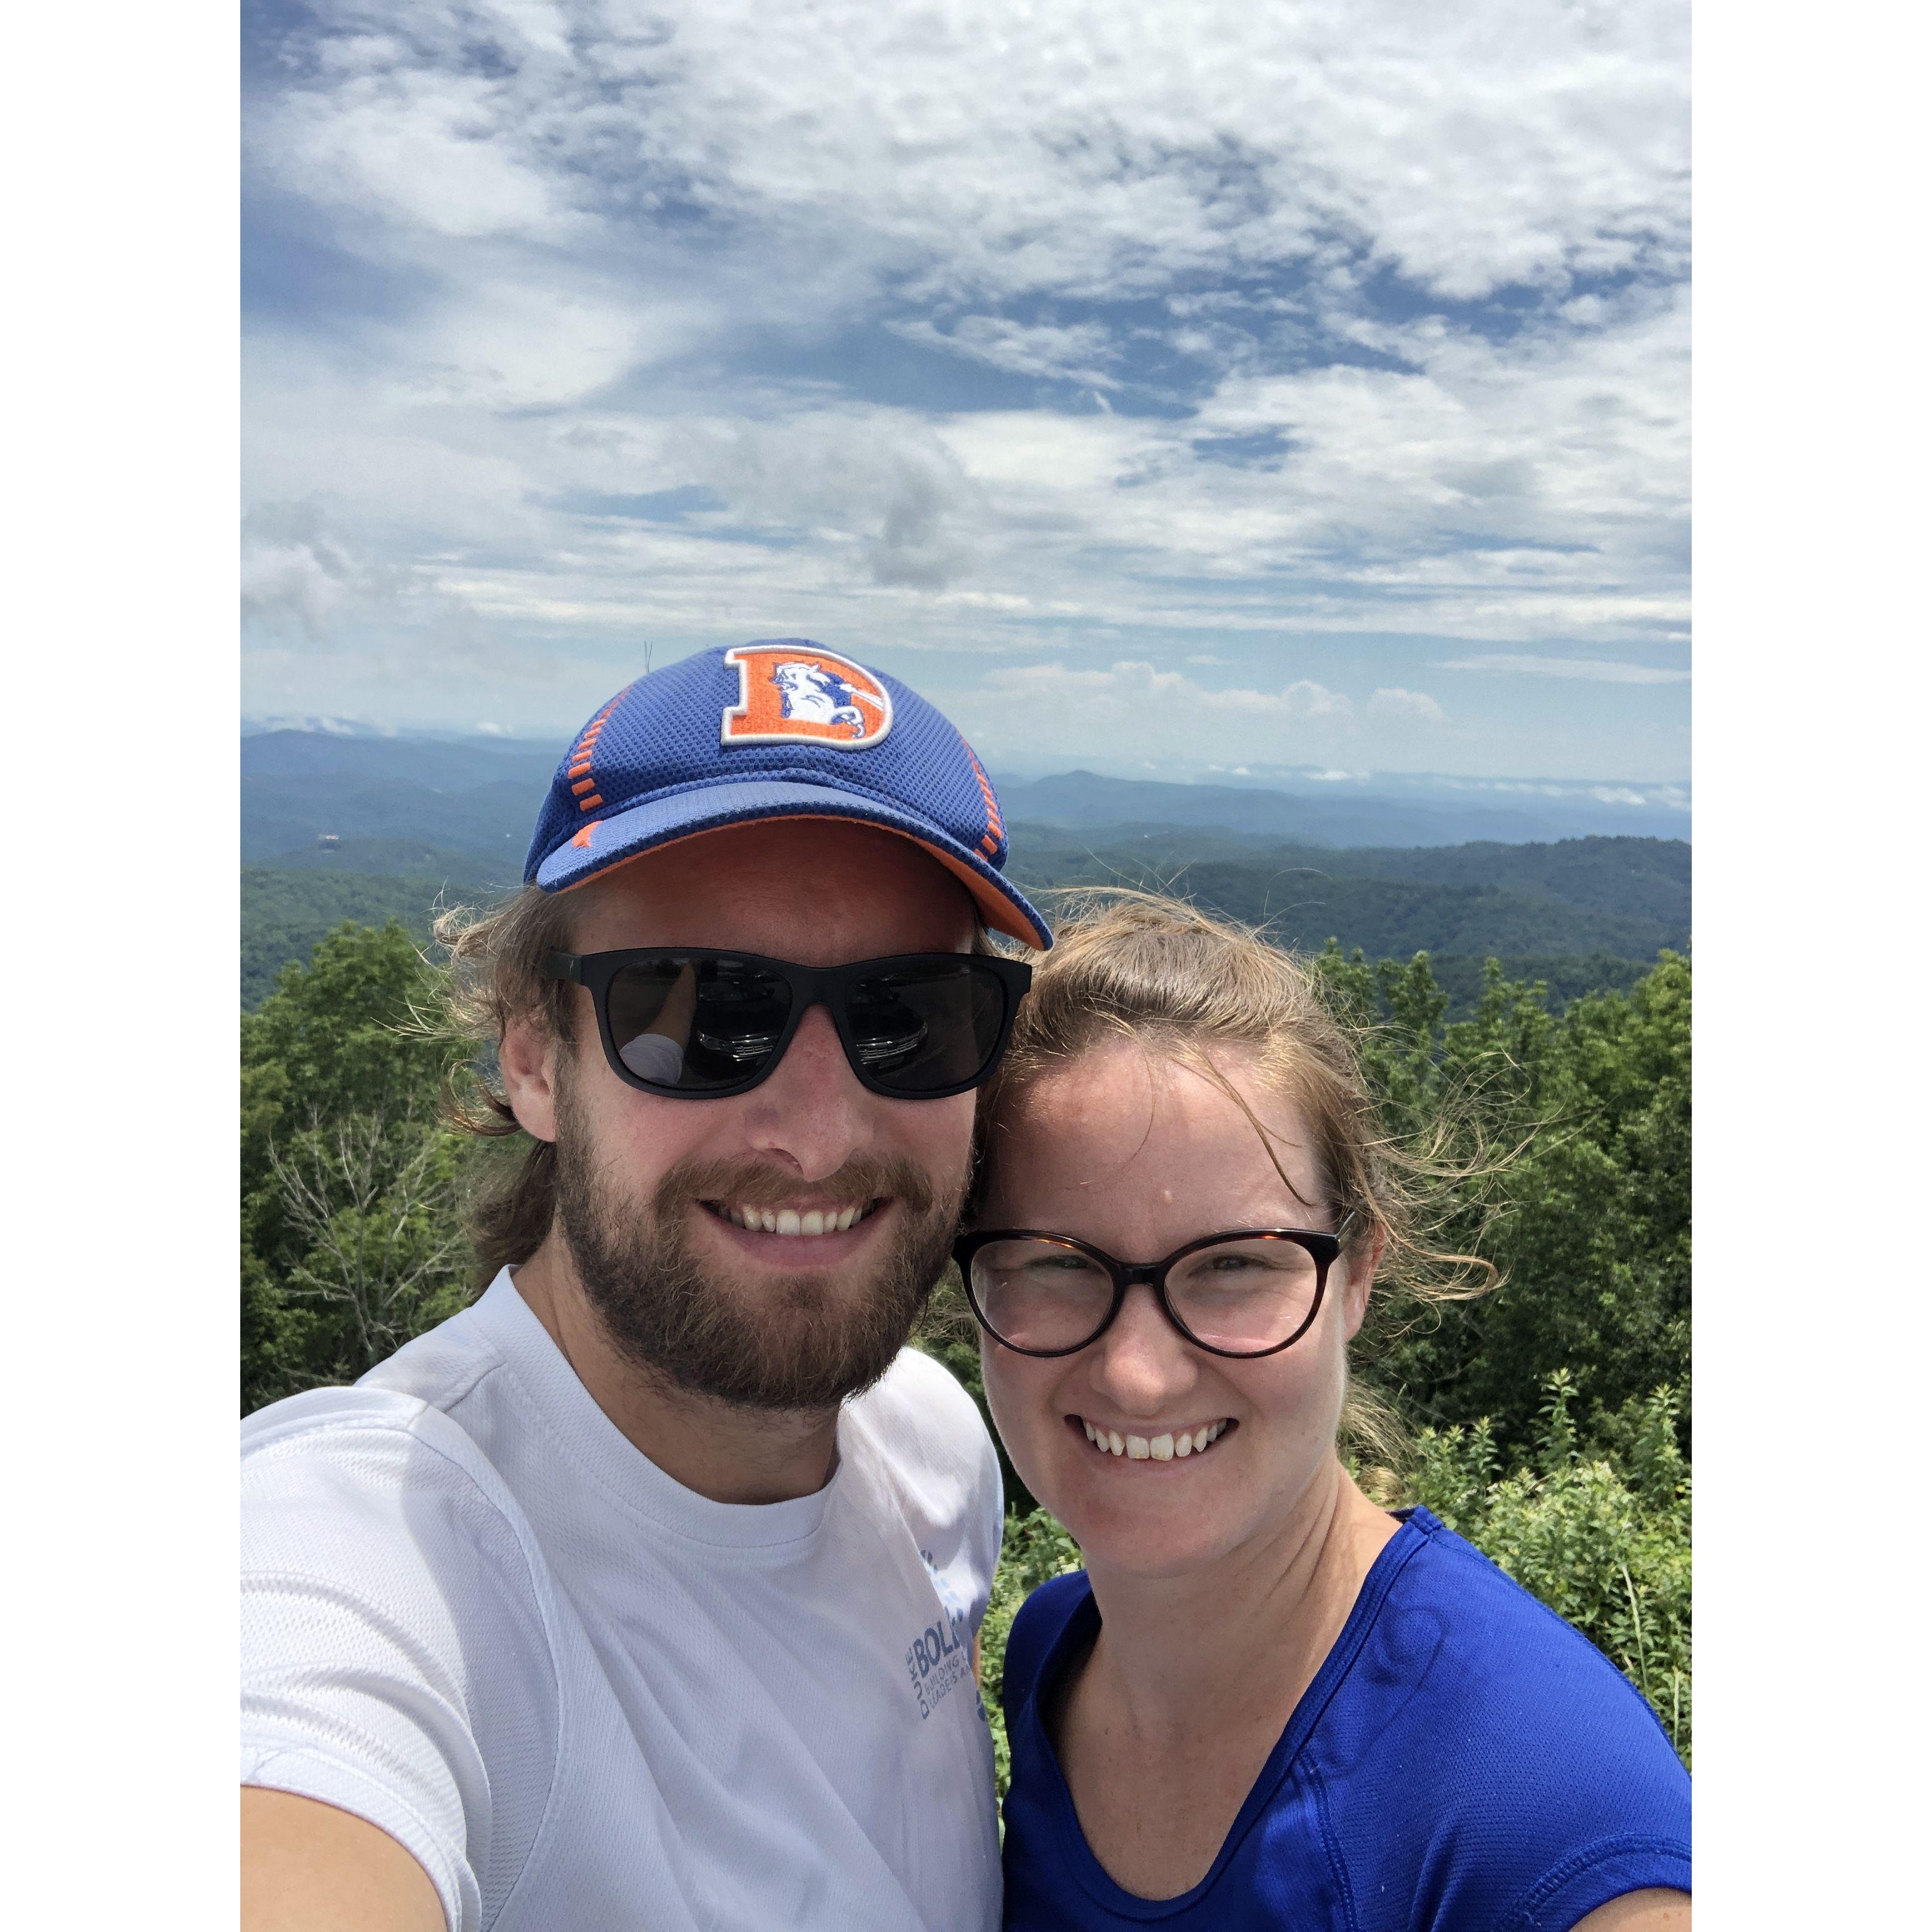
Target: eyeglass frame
(1324,1249)
(826,986)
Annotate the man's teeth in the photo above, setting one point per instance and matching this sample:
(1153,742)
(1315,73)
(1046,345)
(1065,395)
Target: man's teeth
(1152,1448)
(790,1221)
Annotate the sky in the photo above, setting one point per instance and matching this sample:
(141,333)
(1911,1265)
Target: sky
(1168,389)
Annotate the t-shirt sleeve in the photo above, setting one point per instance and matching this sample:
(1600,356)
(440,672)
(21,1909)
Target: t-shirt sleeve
(1575,1890)
(394,1643)
(1488,1761)
(946,1473)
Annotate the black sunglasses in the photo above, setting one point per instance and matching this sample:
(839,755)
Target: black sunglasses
(1252,1292)
(700,1024)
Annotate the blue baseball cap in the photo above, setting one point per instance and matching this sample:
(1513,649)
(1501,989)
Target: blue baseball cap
(781,728)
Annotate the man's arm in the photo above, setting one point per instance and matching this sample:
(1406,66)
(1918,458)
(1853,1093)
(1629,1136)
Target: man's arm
(307,1867)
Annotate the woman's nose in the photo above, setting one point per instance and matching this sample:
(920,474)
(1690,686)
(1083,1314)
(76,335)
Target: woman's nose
(1141,1364)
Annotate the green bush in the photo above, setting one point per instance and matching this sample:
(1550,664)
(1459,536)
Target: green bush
(1579,1128)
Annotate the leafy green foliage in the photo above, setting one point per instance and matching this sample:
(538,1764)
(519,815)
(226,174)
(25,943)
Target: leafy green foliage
(947,1332)
(1034,1550)
(1589,1218)
(349,1240)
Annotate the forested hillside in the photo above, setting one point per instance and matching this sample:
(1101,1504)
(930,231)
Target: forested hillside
(369,828)
(1583,916)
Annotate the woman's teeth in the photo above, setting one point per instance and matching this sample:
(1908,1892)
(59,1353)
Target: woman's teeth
(792,1221)
(1153,1448)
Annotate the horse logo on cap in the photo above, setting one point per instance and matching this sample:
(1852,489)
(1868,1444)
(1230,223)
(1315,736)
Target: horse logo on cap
(788,695)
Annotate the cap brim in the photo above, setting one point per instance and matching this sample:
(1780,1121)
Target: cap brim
(603,842)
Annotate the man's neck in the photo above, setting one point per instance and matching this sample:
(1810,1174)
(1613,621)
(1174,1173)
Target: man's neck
(727,1453)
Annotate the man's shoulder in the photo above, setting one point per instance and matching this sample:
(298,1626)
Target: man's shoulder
(945,1473)
(340,1424)
(426,1391)
(332,1476)
(920,1406)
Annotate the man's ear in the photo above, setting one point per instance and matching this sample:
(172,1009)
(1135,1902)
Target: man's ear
(1358,1275)
(528,1057)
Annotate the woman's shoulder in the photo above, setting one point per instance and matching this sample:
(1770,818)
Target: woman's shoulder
(1475,1637)
(1469,1719)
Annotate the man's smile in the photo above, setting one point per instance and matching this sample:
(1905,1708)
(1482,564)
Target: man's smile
(813,1232)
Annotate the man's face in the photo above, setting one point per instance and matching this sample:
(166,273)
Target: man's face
(653,1192)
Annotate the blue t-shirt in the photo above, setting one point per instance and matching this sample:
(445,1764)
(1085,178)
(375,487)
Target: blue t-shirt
(1463,1761)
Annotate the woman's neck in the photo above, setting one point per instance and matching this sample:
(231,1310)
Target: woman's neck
(1178,1655)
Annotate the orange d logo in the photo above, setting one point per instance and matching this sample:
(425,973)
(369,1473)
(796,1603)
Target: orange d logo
(804,696)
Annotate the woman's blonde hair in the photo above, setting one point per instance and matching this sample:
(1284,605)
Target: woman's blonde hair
(1180,982)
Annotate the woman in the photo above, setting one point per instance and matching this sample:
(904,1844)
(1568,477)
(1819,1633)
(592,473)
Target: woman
(1265,1702)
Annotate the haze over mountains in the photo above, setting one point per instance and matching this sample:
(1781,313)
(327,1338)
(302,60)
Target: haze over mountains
(1572,888)
(477,796)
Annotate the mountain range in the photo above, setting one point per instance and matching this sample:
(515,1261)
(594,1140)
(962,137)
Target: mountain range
(409,822)
(478,797)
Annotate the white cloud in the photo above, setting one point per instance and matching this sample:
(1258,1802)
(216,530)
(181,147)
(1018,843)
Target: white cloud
(419,147)
(1073,354)
(620,250)
(1012,147)
(1392,701)
(1594,671)
(1103,715)
(299,577)
(1136,685)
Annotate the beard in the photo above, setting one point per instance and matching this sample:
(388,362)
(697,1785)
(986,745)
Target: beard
(802,1341)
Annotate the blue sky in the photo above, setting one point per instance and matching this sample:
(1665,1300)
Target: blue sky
(1165,389)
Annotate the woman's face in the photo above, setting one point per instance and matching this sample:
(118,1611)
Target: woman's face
(1140,1155)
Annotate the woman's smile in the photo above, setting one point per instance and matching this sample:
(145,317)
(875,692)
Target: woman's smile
(1146,1444)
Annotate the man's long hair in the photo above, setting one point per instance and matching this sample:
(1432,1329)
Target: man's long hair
(495,978)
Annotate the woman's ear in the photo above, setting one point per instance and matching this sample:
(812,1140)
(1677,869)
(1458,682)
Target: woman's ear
(527,1054)
(1358,1274)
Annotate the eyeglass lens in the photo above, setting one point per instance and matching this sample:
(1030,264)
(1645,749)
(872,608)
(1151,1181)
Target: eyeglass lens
(702,1021)
(1245,1295)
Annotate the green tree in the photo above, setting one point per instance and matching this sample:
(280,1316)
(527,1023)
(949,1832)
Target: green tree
(1585,1204)
(349,1182)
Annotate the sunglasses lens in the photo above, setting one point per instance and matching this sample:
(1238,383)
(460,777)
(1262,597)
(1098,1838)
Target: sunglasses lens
(698,1022)
(923,1026)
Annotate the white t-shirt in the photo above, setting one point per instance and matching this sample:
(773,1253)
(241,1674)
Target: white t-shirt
(584,1697)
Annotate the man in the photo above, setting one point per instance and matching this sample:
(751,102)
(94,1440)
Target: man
(642,1593)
